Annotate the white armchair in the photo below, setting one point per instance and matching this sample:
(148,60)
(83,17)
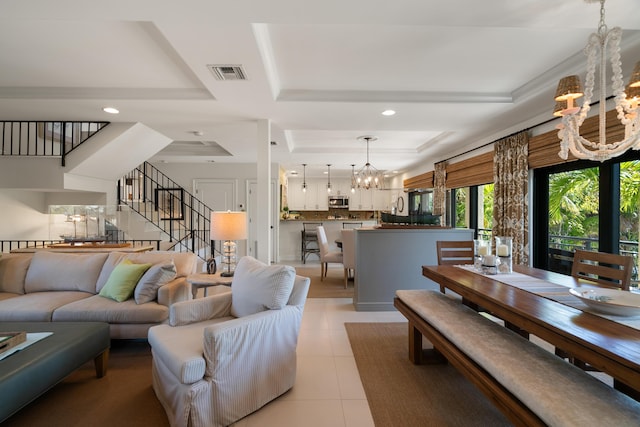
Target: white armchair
(223,357)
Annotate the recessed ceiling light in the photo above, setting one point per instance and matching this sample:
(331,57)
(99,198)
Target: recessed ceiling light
(110,110)
(388,113)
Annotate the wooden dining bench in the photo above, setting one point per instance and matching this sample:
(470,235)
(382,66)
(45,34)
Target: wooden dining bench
(530,385)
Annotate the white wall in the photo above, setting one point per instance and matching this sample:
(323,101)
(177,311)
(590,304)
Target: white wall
(24,214)
(185,173)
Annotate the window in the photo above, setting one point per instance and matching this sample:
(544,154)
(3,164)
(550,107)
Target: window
(587,205)
(472,207)
(420,202)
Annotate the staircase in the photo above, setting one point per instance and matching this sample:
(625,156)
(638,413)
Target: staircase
(165,210)
(151,206)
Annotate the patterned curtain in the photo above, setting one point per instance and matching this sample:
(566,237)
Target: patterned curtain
(440,190)
(510,205)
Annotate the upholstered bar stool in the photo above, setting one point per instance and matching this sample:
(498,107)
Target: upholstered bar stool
(309,240)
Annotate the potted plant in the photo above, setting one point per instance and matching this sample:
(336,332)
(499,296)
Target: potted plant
(285,212)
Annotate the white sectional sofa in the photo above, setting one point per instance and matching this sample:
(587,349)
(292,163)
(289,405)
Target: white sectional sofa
(63,287)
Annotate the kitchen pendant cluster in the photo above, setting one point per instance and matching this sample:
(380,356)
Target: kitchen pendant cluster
(627,99)
(367,177)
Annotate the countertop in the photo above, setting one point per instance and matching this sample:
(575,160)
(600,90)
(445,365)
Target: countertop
(325,220)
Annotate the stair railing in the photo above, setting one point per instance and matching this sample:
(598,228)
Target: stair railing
(179,214)
(48,139)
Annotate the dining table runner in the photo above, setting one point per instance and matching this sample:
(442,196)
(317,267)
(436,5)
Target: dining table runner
(551,291)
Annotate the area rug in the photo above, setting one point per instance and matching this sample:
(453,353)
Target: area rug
(331,287)
(123,397)
(402,394)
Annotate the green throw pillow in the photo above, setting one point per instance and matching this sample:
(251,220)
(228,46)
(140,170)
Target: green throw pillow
(123,280)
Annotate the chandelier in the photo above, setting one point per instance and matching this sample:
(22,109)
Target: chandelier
(368,176)
(626,99)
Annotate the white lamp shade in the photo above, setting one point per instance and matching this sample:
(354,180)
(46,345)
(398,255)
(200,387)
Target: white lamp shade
(228,225)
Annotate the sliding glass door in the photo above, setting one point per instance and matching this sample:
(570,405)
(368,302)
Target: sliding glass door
(586,205)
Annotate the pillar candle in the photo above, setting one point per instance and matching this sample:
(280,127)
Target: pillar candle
(502,250)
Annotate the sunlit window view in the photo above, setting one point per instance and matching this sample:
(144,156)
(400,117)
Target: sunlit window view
(574,214)
(483,210)
(574,210)
(630,211)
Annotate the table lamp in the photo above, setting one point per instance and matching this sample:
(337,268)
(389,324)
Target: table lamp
(228,226)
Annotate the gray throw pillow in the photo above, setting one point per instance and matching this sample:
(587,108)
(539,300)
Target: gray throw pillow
(155,277)
(258,287)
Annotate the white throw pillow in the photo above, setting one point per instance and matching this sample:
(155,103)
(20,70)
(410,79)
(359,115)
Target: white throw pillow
(158,275)
(258,287)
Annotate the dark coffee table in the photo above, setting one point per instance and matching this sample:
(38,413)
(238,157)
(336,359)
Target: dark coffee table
(30,372)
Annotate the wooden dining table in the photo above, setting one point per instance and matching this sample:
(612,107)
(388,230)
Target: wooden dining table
(539,302)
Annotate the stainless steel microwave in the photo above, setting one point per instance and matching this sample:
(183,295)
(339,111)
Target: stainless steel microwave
(338,202)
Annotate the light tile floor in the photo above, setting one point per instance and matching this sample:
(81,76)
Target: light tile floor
(328,390)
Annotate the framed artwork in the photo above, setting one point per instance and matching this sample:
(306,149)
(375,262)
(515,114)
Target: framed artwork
(169,203)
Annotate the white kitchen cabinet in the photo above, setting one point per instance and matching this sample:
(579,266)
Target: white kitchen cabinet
(314,199)
(296,198)
(381,200)
(341,187)
(361,200)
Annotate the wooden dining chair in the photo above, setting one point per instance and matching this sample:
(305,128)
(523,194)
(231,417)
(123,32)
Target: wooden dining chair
(451,252)
(454,252)
(459,253)
(603,270)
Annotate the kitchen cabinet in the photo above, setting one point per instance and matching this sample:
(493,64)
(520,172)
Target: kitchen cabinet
(361,200)
(341,187)
(314,199)
(381,200)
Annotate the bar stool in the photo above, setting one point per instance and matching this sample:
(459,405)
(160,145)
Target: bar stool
(309,240)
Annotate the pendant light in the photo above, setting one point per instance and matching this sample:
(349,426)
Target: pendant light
(602,44)
(328,178)
(368,176)
(304,177)
(353,178)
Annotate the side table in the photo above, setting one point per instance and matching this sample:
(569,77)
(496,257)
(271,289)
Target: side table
(205,281)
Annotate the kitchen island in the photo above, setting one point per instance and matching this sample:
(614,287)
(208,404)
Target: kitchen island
(388,259)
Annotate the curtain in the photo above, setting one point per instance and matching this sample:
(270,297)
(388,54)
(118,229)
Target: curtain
(440,191)
(510,205)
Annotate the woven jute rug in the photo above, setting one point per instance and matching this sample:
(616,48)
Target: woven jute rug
(123,397)
(403,394)
(331,287)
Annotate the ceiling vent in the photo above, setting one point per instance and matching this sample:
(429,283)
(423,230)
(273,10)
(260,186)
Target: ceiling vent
(228,72)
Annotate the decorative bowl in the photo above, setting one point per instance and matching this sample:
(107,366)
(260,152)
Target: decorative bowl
(609,301)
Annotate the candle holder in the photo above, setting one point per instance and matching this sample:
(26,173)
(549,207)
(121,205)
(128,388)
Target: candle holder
(504,253)
(490,264)
(480,249)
